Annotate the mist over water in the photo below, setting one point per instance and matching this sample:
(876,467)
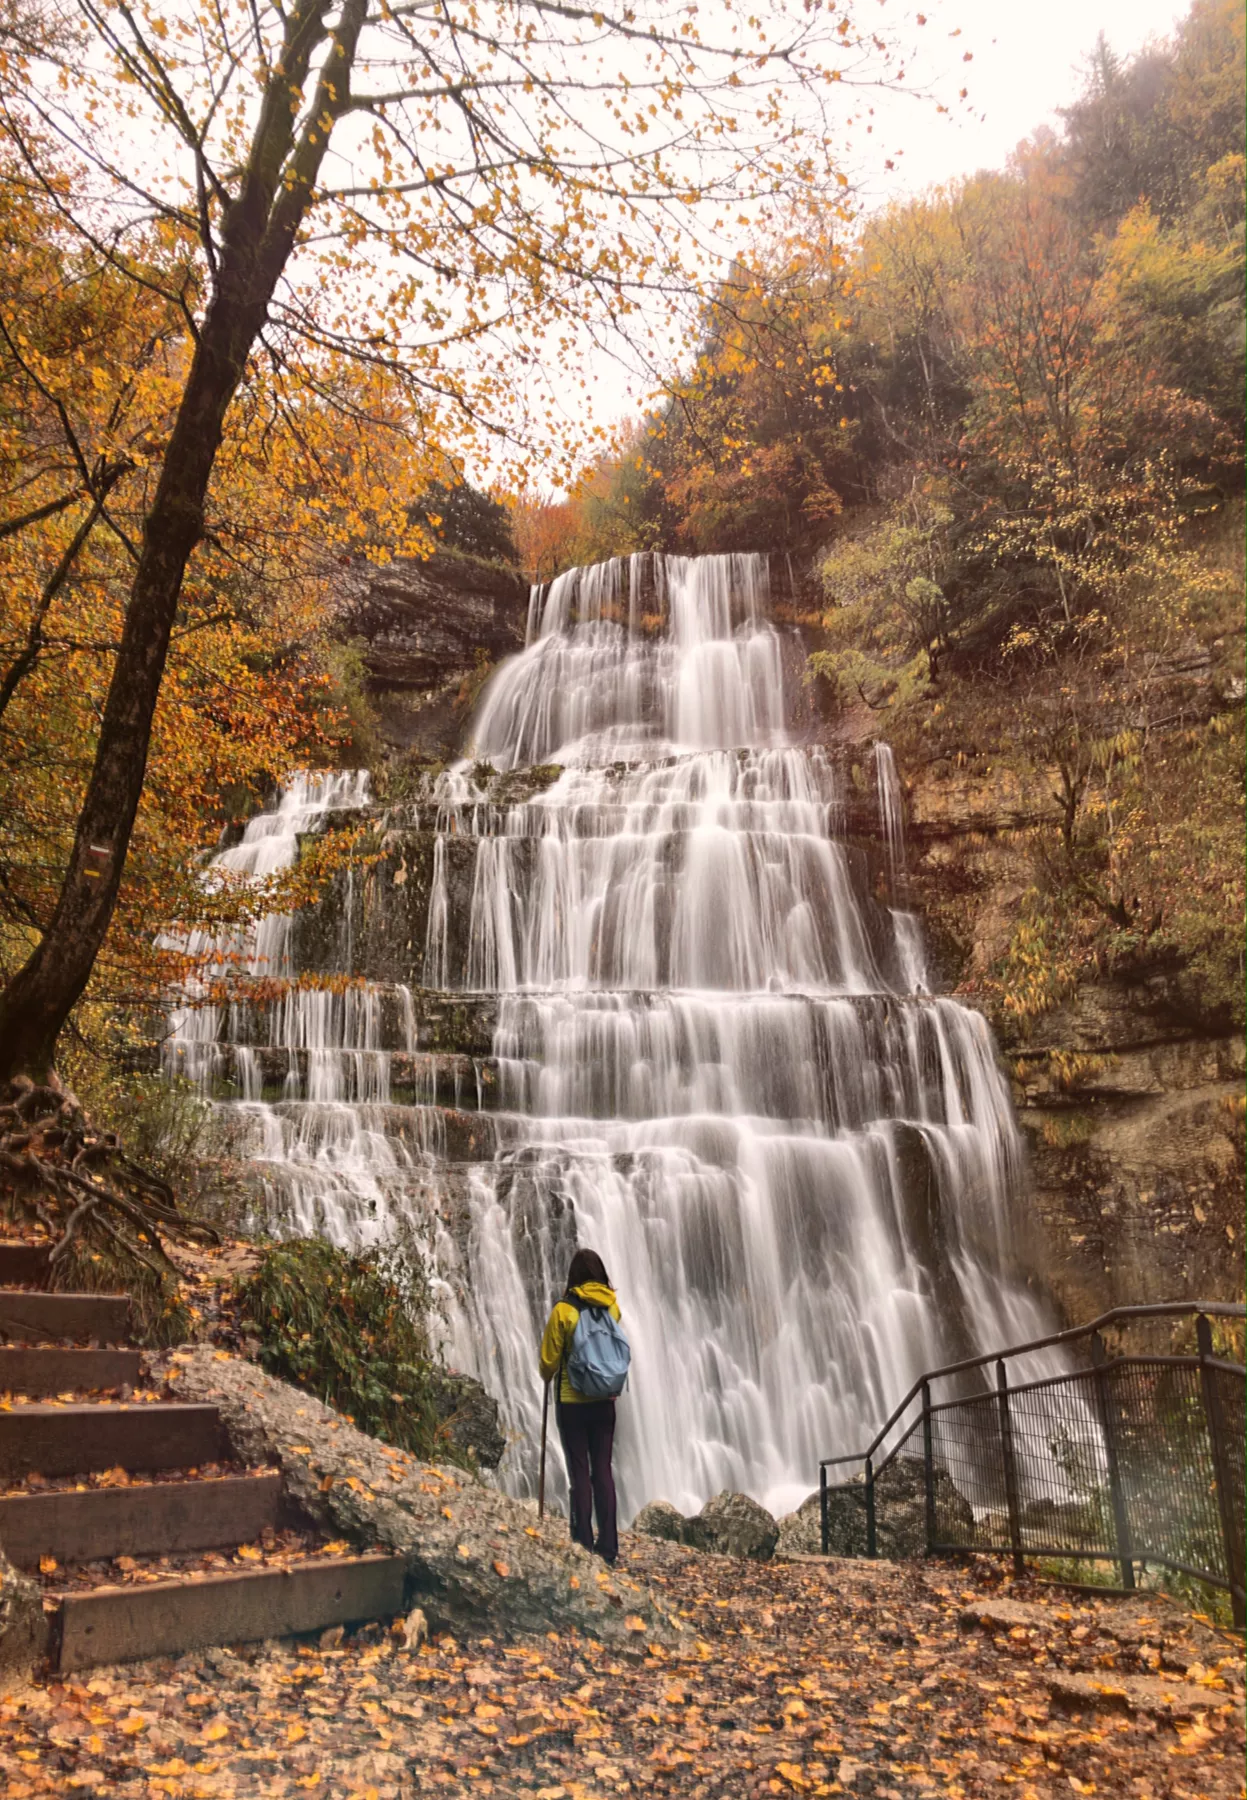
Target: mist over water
(718,1060)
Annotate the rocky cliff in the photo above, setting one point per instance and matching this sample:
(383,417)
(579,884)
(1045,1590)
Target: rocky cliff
(1130,1094)
(430,632)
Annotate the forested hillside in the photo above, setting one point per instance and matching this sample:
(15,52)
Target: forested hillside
(998,430)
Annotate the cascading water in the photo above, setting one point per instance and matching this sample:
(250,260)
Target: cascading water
(714,1058)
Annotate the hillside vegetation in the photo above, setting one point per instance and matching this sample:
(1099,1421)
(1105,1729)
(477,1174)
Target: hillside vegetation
(999,431)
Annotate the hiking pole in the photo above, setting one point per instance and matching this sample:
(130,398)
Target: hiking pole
(541,1478)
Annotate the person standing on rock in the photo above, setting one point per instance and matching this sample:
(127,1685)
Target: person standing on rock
(585,1349)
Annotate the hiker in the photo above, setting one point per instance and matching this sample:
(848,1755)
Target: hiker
(585,1348)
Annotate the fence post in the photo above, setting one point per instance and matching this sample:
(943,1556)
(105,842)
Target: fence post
(928,1465)
(1221,1468)
(1010,1466)
(824,1520)
(872,1545)
(1104,1405)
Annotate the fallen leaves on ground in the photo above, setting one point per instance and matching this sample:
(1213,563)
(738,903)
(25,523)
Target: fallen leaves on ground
(36,1483)
(806,1678)
(273,1550)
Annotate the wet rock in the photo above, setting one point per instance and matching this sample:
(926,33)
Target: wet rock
(661,1520)
(469,1417)
(476,1559)
(900,1512)
(800,1532)
(733,1525)
(1065,1521)
(425,627)
(23,1629)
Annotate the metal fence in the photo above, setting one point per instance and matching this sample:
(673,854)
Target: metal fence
(1071,1446)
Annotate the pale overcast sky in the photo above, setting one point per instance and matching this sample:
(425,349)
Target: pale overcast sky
(1027,61)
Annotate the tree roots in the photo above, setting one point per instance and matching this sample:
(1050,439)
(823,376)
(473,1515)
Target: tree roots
(95,1204)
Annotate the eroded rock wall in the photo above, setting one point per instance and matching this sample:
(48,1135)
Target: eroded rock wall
(430,631)
(1130,1096)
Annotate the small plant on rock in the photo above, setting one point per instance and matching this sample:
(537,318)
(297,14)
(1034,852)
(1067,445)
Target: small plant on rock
(353,1330)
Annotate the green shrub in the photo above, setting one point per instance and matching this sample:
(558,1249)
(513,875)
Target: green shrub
(353,1330)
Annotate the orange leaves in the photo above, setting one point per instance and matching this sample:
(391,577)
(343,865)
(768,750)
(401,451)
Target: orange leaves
(964,1714)
(791,1773)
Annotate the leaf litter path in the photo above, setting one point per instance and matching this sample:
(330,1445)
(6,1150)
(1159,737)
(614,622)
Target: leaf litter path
(801,1678)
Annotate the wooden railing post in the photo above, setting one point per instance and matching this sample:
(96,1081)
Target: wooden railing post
(824,1516)
(872,1542)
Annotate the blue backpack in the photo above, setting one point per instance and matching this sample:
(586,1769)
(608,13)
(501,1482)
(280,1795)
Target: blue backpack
(597,1364)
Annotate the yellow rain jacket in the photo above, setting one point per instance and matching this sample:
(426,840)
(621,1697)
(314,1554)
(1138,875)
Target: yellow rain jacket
(560,1329)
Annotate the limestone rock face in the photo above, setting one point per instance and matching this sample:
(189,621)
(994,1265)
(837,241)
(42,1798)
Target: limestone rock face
(733,1525)
(475,1558)
(1129,1091)
(661,1520)
(469,1417)
(23,1628)
(427,629)
(900,1513)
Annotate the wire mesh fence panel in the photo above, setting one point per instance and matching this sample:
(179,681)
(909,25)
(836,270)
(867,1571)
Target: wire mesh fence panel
(1114,1463)
(1136,1459)
(1062,1467)
(970,1508)
(1165,1465)
(1229,1402)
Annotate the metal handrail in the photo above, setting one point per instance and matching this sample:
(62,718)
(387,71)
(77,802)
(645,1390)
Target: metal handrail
(1118,1543)
(1217,1309)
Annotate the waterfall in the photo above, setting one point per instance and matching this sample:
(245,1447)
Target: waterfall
(702,1049)
(907,930)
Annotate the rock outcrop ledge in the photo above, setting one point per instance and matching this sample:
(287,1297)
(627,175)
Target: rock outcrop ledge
(476,1559)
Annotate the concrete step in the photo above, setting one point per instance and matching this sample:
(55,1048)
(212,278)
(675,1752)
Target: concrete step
(25,1316)
(167,1618)
(73,1440)
(22,1263)
(146,1520)
(60,1371)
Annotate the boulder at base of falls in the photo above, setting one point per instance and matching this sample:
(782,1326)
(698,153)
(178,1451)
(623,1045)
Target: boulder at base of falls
(900,1514)
(476,1559)
(468,1417)
(661,1520)
(800,1532)
(733,1525)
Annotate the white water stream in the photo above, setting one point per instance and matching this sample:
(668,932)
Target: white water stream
(718,1060)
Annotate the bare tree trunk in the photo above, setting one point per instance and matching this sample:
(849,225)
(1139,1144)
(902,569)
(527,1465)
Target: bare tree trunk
(39,998)
(258,234)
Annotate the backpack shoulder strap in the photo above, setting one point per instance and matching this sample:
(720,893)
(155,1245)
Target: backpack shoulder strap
(567,1342)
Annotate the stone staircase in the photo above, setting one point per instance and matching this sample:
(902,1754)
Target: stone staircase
(126,1507)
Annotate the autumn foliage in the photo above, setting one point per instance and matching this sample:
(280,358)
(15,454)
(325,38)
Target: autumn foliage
(998,428)
(233,358)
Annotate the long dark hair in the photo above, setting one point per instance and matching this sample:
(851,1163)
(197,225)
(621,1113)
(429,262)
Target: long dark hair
(587,1265)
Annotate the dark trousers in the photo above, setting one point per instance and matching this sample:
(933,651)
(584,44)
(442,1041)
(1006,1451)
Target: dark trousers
(588,1434)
